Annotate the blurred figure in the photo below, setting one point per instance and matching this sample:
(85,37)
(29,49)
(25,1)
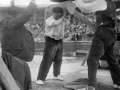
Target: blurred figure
(12,2)
(14,38)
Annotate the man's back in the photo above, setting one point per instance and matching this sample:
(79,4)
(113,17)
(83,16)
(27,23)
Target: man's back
(16,39)
(19,43)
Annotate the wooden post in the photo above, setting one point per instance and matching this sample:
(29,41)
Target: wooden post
(6,77)
(35,17)
(85,59)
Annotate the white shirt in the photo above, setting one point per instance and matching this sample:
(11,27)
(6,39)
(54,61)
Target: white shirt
(56,32)
(96,5)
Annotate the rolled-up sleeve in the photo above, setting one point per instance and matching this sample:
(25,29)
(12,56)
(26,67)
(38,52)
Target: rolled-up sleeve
(49,21)
(82,18)
(96,5)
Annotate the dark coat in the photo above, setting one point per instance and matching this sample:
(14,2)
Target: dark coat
(19,70)
(16,39)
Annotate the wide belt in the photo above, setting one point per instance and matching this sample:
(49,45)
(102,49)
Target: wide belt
(107,24)
(52,40)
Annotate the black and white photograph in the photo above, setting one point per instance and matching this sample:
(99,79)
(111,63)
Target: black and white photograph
(59,44)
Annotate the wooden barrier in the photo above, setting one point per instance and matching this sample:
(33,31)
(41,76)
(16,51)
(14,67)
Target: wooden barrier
(67,47)
(39,51)
(80,47)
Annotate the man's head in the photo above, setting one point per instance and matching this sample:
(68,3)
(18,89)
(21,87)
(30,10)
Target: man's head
(12,2)
(57,12)
(13,11)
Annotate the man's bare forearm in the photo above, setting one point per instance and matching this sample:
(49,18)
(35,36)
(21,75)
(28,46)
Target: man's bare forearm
(83,19)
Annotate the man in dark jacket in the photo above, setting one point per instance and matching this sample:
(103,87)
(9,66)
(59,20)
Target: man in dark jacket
(103,41)
(20,71)
(16,39)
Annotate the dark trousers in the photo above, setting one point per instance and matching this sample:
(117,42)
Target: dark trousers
(103,43)
(52,53)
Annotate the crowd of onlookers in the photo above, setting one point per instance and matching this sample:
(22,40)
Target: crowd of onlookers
(76,31)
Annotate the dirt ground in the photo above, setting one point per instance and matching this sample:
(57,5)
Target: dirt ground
(102,84)
(75,77)
(80,83)
(50,85)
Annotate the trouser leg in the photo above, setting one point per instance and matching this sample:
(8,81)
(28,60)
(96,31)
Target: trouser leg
(58,60)
(48,56)
(28,81)
(113,65)
(104,37)
(96,51)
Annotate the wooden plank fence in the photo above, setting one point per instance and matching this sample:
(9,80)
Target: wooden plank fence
(79,47)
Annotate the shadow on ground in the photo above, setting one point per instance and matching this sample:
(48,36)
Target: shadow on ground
(75,76)
(50,85)
(78,84)
(83,82)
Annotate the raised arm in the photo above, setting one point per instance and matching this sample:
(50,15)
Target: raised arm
(23,17)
